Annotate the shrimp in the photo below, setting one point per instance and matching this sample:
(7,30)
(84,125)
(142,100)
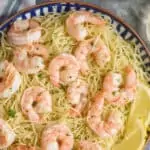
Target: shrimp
(10,79)
(111,86)
(130,83)
(63,69)
(77,96)
(74,21)
(36,101)
(37,49)
(81,54)
(102,128)
(30,59)
(99,50)
(57,137)
(23,147)
(101,53)
(88,145)
(7,135)
(24,32)
(112,81)
(116,91)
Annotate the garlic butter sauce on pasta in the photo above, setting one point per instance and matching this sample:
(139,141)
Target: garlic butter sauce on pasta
(56,38)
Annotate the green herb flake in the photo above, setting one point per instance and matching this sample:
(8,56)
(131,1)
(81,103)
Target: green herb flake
(11,113)
(62,86)
(113,93)
(34,104)
(40,75)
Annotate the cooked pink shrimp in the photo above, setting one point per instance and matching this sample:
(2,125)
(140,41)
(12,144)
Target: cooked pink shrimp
(111,86)
(30,59)
(57,137)
(10,79)
(88,145)
(24,32)
(97,48)
(35,102)
(112,81)
(116,91)
(37,49)
(75,20)
(104,129)
(101,53)
(130,83)
(81,53)
(7,135)
(23,147)
(77,96)
(64,68)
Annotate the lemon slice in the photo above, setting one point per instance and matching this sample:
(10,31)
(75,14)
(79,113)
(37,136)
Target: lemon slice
(133,141)
(140,108)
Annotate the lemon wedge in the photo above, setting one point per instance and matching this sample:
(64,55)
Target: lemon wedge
(140,108)
(139,118)
(133,141)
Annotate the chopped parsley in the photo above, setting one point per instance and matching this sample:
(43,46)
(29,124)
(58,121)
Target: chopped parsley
(40,75)
(62,86)
(114,93)
(34,104)
(11,113)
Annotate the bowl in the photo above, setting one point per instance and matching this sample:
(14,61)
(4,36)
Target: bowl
(125,31)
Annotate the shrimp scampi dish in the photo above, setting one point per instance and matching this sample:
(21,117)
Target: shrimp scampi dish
(68,81)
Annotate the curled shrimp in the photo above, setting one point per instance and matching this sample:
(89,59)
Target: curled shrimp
(98,49)
(74,21)
(7,135)
(30,59)
(10,79)
(101,53)
(24,32)
(118,92)
(57,137)
(102,128)
(130,83)
(23,147)
(112,81)
(37,49)
(81,54)
(77,96)
(64,68)
(88,145)
(36,101)
(111,86)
